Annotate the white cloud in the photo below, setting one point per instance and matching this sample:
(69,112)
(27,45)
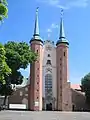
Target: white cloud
(50,29)
(54,25)
(55,3)
(78,3)
(66,4)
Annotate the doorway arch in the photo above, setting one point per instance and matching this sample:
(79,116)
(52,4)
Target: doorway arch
(49,107)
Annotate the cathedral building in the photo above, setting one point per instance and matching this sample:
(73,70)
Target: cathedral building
(49,74)
(48,86)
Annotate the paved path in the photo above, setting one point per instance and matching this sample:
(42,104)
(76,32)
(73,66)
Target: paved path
(28,115)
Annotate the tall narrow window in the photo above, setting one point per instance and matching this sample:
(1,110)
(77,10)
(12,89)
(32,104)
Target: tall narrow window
(49,62)
(37,51)
(64,53)
(37,75)
(48,55)
(48,87)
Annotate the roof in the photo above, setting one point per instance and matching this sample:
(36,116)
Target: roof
(75,86)
(24,83)
(36,35)
(62,38)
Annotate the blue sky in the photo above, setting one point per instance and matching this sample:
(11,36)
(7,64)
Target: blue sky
(20,24)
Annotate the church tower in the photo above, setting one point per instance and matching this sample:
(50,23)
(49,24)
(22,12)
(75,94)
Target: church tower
(63,86)
(35,92)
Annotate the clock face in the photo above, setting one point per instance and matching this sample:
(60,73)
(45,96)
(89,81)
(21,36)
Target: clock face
(48,47)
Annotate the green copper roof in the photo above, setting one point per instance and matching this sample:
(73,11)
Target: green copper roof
(36,29)
(62,33)
(36,35)
(62,38)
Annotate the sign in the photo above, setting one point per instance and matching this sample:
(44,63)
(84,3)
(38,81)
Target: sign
(17,106)
(36,103)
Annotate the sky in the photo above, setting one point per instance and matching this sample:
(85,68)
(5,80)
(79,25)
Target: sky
(20,26)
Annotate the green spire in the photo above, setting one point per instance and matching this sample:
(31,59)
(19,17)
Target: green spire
(36,35)
(62,38)
(62,33)
(36,29)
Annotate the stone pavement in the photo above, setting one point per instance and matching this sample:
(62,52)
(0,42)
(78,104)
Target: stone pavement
(43,115)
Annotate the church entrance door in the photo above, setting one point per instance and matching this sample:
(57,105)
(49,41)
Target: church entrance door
(49,107)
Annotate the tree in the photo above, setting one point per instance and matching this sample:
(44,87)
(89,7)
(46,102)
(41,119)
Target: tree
(6,90)
(5,71)
(4,68)
(3,9)
(18,55)
(85,86)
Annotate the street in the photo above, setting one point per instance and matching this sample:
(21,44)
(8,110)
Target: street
(43,115)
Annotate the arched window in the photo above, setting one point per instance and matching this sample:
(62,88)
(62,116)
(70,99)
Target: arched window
(48,55)
(48,62)
(64,53)
(48,77)
(48,86)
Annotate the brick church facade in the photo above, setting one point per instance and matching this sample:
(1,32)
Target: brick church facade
(49,87)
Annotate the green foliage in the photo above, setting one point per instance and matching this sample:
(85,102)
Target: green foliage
(4,68)
(5,90)
(3,9)
(18,56)
(86,82)
(5,71)
(85,85)
(16,78)
(13,56)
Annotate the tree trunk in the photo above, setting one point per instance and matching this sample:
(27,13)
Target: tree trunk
(5,98)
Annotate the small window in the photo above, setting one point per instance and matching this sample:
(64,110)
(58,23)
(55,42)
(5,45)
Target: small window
(60,64)
(37,97)
(37,82)
(60,59)
(37,75)
(37,51)
(37,68)
(64,53)
(26,89)
(49,62)
(60,94)
(48,55)
(21,93)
